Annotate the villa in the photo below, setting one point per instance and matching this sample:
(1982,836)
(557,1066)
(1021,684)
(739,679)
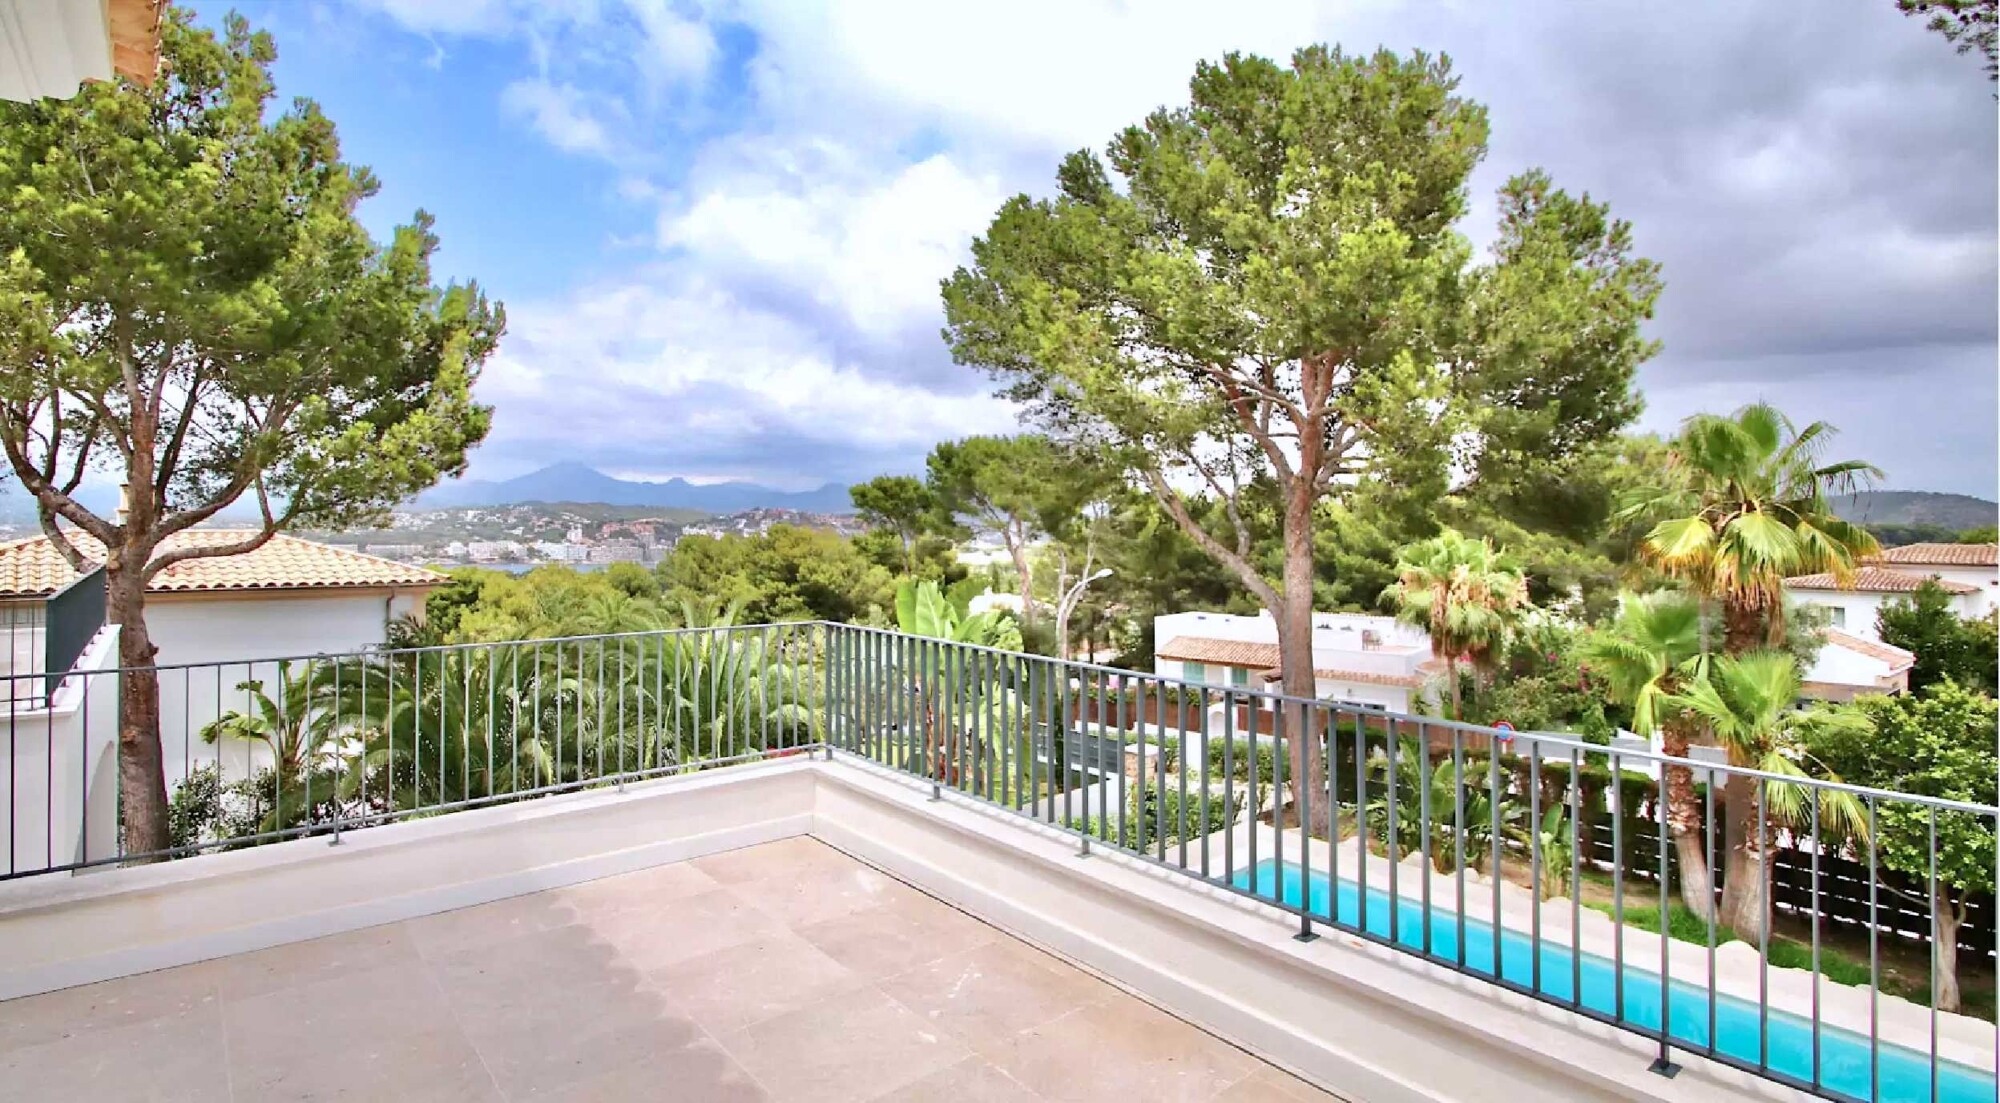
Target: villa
(1368,662)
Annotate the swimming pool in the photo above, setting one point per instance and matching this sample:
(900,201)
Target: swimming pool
(1902,1074)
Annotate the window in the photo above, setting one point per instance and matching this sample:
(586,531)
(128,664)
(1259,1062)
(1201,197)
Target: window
(1239,676)
(1836,615)
(1191,672)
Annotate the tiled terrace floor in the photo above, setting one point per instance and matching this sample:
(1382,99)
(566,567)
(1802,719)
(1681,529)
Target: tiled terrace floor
(786,972)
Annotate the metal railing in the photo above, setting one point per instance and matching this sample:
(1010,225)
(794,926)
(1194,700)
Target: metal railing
(268,749)
(1424,840)
(1530,862)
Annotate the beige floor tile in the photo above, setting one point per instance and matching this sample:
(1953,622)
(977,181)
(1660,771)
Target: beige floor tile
(994,991)
(897,937)
(972,1080)
(1123,1049)
(1269,1085)
(302,963)
(485,925)
(733,988)
(854,1046)
(73,1012)
(553,1008)
(688,928)
(178,1057)
(646,889)
(781,860)
(361,1035)
(816,894)
(699,1073)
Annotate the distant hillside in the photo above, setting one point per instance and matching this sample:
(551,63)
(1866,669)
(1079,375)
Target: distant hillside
(575,482)
(1917,507)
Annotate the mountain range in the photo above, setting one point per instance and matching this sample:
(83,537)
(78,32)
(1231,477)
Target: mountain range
(1956,512)
(576,482)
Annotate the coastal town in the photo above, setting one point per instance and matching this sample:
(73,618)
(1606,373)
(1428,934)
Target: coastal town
(581,535)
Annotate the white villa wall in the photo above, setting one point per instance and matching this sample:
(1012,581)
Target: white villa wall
(1986,578)
(1859,607)
(1856,609)
(1337,645)
(234,629)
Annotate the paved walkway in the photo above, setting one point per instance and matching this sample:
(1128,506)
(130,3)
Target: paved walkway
(780,972)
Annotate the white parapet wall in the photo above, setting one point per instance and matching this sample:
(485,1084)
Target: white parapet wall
(61,766)
(1361,1019)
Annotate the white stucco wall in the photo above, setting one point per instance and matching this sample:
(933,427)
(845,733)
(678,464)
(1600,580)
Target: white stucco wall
(61,768)
(1857,608)
(230,631)
(1986,578)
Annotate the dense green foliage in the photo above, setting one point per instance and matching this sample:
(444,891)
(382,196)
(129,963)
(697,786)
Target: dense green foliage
(1946,645)
(1937,743)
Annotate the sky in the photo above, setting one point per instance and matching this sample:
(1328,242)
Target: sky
(718,226)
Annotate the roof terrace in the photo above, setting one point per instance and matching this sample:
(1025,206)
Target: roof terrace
(815,861)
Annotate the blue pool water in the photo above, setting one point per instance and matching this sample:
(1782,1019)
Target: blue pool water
(1843,1056)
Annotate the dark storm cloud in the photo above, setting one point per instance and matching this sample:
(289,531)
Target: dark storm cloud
(1818,182)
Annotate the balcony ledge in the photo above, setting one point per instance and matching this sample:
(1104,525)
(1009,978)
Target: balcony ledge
(1359,1019)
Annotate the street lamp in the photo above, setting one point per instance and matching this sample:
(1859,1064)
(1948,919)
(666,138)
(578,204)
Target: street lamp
(1068,605)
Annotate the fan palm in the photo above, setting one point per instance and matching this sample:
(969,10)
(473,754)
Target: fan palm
(1464,593)
(1647,655)
(967,689)
(1749,703)
(1749,505)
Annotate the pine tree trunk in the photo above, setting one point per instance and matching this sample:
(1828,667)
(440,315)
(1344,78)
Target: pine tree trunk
(142,782)
(1746,874)
(1295,656)
(1683,816)
(1946,919)
(1017,549)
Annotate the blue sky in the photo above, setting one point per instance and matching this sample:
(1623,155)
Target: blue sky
(718,227)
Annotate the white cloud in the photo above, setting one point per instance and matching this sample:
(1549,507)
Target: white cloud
(678,47)
(868,239)
(560,114)
(663,374)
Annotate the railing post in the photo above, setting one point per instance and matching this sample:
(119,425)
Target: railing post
(826,708)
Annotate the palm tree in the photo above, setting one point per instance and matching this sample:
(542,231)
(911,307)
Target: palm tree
(1648,654)
(1464,593)
(963,687)
(1749,505)
(1750,703)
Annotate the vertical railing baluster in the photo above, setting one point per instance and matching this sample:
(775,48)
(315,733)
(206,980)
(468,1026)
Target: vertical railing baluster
(1458,827)
(1424,827)
(1229,786)
(1763,891)
(1618,889)
(1937,950)
(1663,1063)
(1535,850)
(1576,765)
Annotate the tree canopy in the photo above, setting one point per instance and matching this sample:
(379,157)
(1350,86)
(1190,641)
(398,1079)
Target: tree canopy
(1268,285)
(1946,645)
(188,300)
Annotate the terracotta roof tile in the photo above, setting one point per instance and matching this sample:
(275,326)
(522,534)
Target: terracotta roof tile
(33,567)
(1943,555)
(1263,657)
(1879,580)
(1897,658)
